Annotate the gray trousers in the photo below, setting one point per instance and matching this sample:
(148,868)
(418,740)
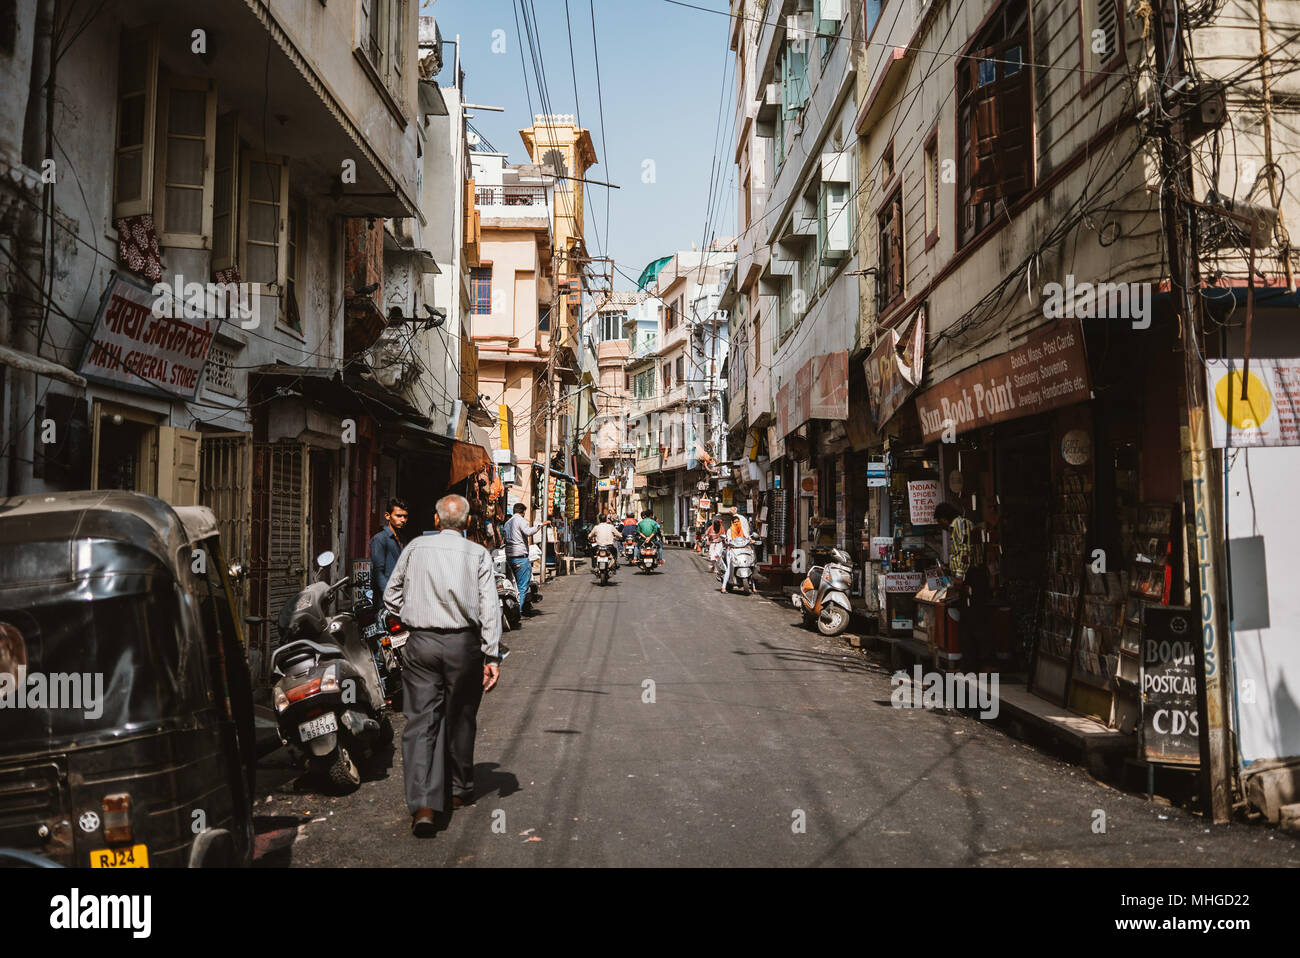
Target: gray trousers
(442,686)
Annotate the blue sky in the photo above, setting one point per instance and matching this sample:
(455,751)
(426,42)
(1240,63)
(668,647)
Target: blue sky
(661,70)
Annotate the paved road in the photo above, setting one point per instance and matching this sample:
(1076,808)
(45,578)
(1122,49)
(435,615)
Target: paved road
(756,726)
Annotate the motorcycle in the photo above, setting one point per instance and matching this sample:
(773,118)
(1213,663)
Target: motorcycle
(384,636)
(743,563)
(605,563)
(507,592)
(629,551)
(649,560)
(329,692)
(823,597)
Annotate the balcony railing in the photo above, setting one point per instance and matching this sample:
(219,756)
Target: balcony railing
(510,196)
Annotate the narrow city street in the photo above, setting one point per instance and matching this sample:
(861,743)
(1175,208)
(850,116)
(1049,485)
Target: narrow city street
(755,725)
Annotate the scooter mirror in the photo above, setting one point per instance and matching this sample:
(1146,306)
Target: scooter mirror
(325,560)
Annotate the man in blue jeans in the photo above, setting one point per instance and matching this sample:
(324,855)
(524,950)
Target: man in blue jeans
(517,532)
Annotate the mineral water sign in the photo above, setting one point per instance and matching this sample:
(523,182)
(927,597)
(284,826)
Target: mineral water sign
(139,342)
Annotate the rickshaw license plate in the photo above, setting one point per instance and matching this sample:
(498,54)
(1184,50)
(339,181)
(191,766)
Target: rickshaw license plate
(315,728)
(134,856)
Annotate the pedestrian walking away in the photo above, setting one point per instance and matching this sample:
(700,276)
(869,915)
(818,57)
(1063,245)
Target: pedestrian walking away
(517,533)
(386,545)
(444,590)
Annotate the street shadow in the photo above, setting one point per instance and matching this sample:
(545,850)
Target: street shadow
(800,656)
(490,780)
(583,691)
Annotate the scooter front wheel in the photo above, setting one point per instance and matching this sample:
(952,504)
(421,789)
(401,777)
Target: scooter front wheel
(832,621)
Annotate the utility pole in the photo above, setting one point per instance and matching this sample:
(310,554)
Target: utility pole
(550,390)
(1201,501)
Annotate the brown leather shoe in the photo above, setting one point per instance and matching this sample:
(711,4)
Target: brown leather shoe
(422,823)
(458,802)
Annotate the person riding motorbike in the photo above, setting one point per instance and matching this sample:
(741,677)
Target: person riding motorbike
(604,534)
(737,531)
(649,530)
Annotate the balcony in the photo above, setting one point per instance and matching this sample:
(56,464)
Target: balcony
(510,196)
(649,462)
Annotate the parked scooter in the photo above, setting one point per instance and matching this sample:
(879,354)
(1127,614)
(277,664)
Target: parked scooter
(823,598)
(605,563)
(507,591)
(329,695)
(378,627)
(743,563)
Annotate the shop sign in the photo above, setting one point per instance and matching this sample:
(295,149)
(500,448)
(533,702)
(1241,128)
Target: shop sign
(135,347)
(922,497)
(830,386)
(877,472)
(909,582)
(1049,371)
(1170,720)
(605,485)
(891,374)
(1269,415)
(1076,447)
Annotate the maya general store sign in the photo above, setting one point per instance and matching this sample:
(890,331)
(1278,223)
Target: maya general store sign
(1050,370)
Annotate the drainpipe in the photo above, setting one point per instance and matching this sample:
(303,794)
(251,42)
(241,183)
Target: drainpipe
(27,308)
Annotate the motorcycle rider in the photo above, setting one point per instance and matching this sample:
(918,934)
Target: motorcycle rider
(649,530)
(604,534)
(737,531)
(714,535)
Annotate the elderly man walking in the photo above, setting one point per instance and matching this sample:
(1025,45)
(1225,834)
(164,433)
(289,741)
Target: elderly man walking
(444,589)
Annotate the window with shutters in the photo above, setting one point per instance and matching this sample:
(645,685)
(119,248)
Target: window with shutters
(871,10)
(668,376)
(889,269)
(137,91)
(994,117)
(480,290)
(264,220)
(187,117)
(932,188)
(681,370)
(225,193)
(1101,41)
(295,265)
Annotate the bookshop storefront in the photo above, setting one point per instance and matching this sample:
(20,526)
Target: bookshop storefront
(1070,469)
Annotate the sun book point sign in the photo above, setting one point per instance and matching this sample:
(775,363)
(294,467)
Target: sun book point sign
(1050,370)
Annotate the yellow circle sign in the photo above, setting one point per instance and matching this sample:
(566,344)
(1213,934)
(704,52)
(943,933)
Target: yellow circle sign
(1248,413)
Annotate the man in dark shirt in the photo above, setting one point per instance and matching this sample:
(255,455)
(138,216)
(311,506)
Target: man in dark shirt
(386,545)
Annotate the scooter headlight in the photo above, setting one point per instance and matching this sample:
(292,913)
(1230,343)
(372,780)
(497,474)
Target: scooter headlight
(281,700)
(329,682)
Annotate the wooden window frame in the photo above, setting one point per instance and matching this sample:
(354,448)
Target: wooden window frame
(885,306)
(144,202)
(474,281)
(963,147)
(870,30)
(1089,81)
(202,239)
(246,159)
(295,261)
(220,163)
(933,179)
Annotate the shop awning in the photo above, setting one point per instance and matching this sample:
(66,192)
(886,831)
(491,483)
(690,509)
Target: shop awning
(467,458)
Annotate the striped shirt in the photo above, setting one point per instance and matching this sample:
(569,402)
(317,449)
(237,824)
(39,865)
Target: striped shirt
(444,581)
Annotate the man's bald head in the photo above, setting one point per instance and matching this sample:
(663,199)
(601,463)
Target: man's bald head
(453,512)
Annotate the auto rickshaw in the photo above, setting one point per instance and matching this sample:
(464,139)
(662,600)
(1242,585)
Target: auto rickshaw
(126,711)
